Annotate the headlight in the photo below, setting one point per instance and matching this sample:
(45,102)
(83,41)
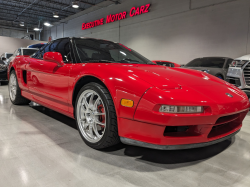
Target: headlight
(238,63)
(181,109)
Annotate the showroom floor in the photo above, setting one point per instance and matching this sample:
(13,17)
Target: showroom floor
(39,147)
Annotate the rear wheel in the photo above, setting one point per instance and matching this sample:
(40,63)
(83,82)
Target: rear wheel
(96,116)
(15,92)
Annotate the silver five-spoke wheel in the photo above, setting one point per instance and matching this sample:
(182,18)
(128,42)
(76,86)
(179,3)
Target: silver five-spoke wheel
(91,116)
(12,86)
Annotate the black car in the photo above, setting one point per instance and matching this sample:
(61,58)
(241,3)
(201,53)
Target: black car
(217,66)
(3,71)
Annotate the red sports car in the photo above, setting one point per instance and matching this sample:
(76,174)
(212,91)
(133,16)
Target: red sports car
(166,63)
(115,94)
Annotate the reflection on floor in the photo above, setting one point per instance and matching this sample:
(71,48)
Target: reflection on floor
(39,147)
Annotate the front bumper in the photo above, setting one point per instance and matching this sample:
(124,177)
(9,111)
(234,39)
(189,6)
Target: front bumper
(175,147)
(194,131)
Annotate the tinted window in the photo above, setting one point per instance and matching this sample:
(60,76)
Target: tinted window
(62,46)
(207,62)
(8,55)
(168,64)
(92,50)
(29,51)
(229,61)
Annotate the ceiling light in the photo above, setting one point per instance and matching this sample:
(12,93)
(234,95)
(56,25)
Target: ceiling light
(75,4)
(55,14)
(22,24)
(36,29)
(47,24)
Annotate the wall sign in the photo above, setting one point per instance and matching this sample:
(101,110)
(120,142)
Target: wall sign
(134,11)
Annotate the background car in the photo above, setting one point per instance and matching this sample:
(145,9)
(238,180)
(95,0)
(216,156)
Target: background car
(22,51)
(115,94)
(39,45)
(239,73)
(5,56)
(217,66)
(166,63)
(4,64)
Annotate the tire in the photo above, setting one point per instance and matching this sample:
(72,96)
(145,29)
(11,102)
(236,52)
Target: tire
(96,116)
(15,92)
(219,76)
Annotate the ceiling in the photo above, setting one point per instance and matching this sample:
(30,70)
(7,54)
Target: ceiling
(12,12)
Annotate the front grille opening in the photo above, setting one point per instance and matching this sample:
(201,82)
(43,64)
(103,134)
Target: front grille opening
(247,74)
(225,125)
(177,131)
(227,119)
(233,80)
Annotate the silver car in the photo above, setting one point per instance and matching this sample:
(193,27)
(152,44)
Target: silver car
(239,73)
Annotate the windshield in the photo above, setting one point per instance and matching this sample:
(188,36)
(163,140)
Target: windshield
(92,50)
(207,62)
(29,51)
(8,55)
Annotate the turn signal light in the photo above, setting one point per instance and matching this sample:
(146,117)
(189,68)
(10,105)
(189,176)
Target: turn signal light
(181,109)
(127,103)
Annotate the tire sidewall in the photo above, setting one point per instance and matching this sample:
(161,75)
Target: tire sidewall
(13,101)
(97,88)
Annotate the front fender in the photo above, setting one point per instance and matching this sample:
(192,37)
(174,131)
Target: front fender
(121,85)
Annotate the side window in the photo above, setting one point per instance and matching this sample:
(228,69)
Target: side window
(229,61)
(62,46)
(39,54)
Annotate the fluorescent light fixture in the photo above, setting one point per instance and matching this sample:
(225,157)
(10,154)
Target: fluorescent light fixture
(55,14)
(75,4)
(36,29)
(47,24)
(22,24)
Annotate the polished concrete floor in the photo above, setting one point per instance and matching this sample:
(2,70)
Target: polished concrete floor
(39,147)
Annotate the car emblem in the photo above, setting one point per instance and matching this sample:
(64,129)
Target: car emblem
(229,95)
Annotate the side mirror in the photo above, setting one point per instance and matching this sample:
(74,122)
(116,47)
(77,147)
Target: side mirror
(54,57)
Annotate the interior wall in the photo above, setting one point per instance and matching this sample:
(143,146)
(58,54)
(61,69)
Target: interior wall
(174,30)
(8,44)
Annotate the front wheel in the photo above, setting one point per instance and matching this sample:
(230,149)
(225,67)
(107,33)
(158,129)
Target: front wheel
(96,116)
(15,92)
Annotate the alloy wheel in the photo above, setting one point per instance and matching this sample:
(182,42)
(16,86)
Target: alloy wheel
(91,116)
(12,86)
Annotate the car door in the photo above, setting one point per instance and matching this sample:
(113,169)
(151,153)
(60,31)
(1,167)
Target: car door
(48,82)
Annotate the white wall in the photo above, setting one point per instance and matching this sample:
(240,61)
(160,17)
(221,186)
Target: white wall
(8,44)
(174,30)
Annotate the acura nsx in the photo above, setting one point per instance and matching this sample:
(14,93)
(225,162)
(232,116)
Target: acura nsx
(115,94)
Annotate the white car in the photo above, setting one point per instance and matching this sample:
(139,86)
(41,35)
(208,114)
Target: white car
(5,56)
(239,73)
(22,51)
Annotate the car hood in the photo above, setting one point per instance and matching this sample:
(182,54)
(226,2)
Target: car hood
(177,78)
